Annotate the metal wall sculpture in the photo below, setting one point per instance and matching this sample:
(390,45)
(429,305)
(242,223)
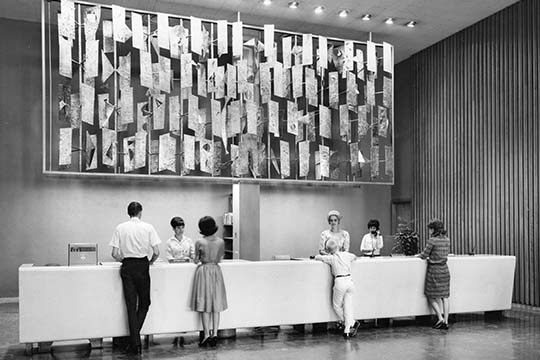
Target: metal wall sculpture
(130,92)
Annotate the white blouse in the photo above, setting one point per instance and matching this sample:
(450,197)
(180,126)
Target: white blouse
(341,238)
(372,243)
(180,250)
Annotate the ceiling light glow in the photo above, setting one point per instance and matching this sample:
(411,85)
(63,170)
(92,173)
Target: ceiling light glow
(319,9)
(343,13)
(389,21)
(366,17)
(411,24)
(294,4)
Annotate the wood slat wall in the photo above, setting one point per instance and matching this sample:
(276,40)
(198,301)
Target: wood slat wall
(476,154)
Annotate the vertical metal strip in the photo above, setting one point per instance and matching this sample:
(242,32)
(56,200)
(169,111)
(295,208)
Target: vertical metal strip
(43,92)
(211,97)
(149,105)
(115,74)
(80,64)
(50,87)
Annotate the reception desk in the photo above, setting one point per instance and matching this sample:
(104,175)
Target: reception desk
(85,302)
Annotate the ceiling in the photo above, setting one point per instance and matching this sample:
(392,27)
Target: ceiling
(437,19)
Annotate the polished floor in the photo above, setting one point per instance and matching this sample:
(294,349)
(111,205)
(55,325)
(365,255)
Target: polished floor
(471,336)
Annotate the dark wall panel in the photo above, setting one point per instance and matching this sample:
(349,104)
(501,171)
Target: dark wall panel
(475,105)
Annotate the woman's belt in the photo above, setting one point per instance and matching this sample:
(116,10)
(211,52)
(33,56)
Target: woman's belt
(437,263)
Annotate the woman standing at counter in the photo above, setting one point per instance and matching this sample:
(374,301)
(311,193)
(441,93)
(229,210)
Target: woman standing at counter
(437,285)
(341,237)
(180,248)
(209,297)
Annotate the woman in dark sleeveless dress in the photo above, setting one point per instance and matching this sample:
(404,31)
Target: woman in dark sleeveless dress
(437,285)
(209,297)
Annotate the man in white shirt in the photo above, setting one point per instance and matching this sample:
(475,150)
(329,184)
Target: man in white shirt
(132,242)
(372,243)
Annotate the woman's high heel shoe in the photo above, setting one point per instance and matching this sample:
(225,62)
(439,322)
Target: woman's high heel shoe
(438,325)
(213,341)
(205,342)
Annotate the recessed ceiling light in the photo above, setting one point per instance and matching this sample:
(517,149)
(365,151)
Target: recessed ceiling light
(389,21)
(294,4)
(411,24)
(267,2)
(319,9)
(343,13)
(366,17)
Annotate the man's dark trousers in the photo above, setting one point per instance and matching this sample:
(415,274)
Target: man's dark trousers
(136,282)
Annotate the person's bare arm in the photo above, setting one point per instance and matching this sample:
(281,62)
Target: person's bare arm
(155,255)
(196,257)
(116,254)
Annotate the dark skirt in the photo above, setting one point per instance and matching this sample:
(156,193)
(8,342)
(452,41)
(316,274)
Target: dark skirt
(437,281)
(209,293)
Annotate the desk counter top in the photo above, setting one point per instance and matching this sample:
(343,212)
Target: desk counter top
(81,302)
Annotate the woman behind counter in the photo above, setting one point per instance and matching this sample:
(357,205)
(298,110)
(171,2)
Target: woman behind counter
(372,243)
(341,237)
(209,297)
(180,248)
(437,285)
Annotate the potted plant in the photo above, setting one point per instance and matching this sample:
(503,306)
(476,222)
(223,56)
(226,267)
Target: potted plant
(406,241)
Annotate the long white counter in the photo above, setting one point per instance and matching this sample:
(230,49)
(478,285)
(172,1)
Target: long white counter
(83,302)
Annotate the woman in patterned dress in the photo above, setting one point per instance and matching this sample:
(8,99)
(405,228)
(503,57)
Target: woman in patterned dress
(437,285)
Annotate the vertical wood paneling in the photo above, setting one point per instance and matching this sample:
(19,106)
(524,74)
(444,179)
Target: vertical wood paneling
(476,148)
(535,208)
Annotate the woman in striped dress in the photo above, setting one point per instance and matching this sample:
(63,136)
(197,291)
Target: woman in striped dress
(437,285)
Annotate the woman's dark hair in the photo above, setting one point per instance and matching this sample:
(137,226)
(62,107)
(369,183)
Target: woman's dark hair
(437,226)
(374,223)
(207,226)
(134,208)
(177,221)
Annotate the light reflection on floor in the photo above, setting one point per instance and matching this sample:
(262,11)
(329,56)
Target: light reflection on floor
(516,336)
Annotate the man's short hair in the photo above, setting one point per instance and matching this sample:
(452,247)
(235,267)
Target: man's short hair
(134,208)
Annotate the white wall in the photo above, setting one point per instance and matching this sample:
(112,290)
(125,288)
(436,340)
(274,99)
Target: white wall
(292,218)
(43,219)
(39,220)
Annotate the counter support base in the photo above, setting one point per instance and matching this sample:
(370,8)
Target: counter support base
(96,343)
(494,315)
(44,347)
(29,349)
